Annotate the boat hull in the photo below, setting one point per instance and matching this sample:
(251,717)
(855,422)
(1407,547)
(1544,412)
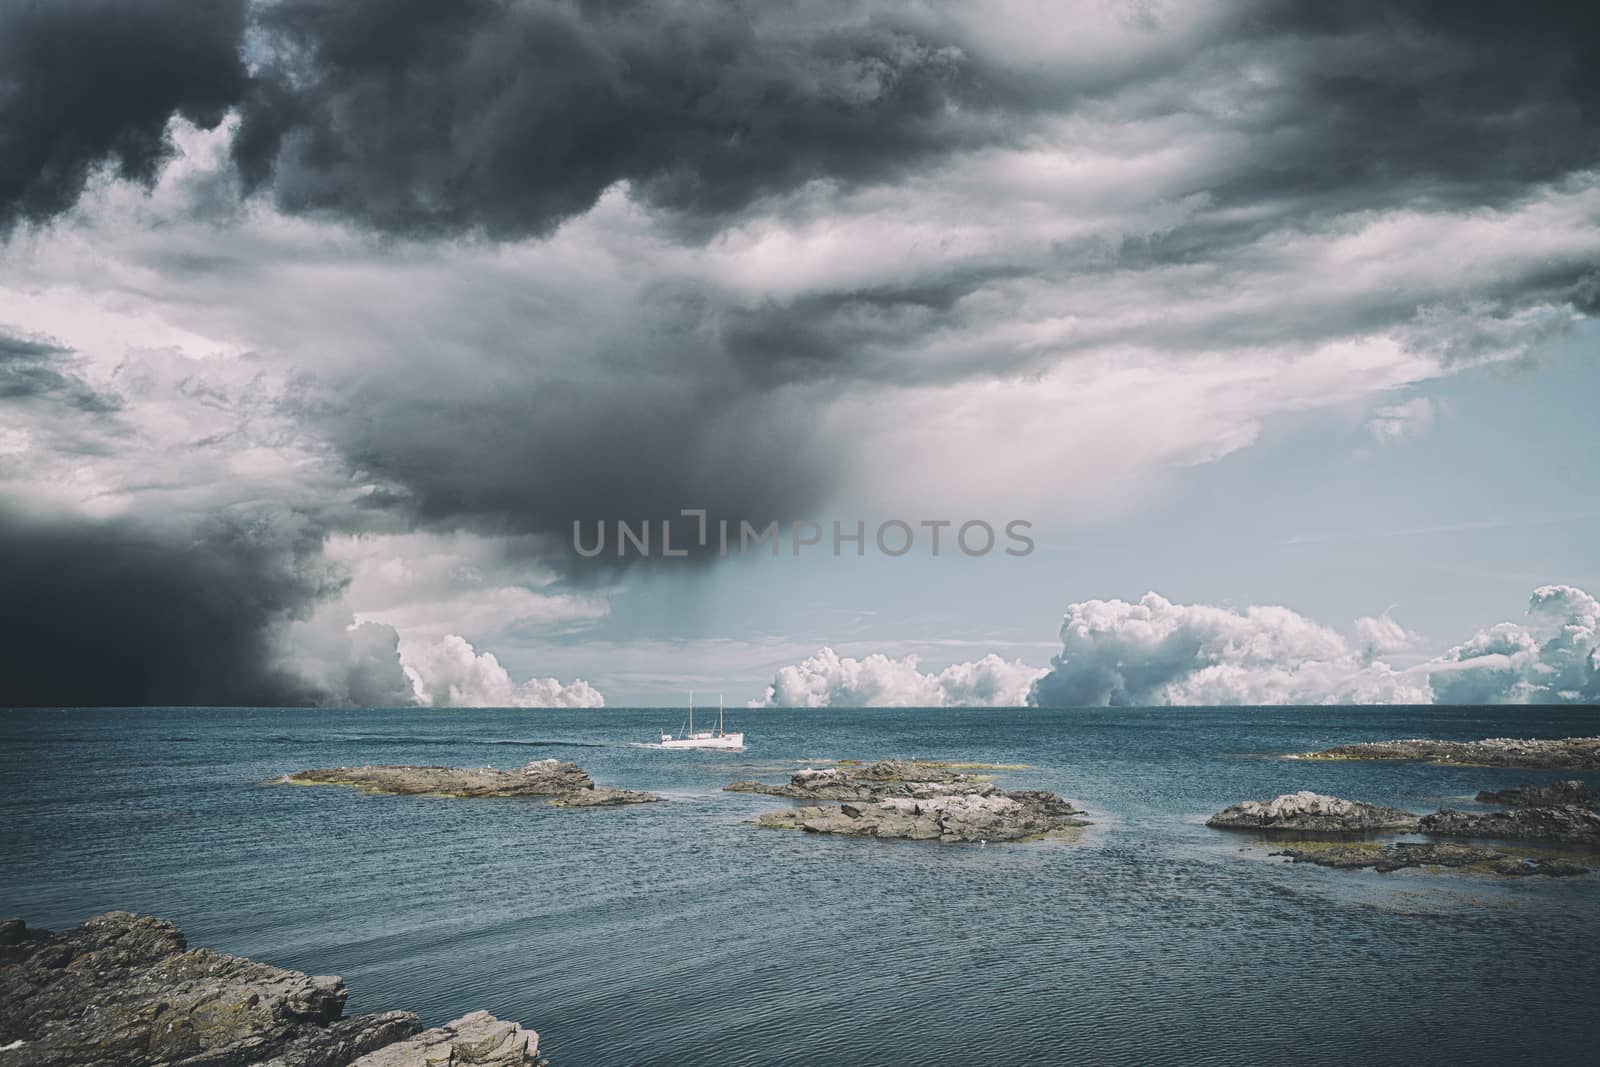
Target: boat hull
(729,742)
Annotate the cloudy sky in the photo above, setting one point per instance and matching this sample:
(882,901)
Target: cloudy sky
(322,323)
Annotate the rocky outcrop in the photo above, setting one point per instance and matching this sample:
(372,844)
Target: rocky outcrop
(601,797)
(1405,854)
(885,778)
(1553,794)
(1569,823)
(1313,812)
(1308,811)
(1574,753)
(125,989)
(568,783)
(912,800)
(475,1040)
(968,817)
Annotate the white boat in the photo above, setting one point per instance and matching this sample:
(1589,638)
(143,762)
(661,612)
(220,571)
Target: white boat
(718,738)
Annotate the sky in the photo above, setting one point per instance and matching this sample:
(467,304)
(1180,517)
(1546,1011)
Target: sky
(324,325)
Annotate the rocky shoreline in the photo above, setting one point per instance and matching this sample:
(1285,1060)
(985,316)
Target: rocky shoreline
(1538,796)
(1402,854)
(1306,812)
(126,989)
(1564,753)
(567,784)
(912,800)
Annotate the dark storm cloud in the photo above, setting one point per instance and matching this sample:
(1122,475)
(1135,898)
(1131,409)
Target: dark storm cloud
(508,116)
(839,334)
(121,613)
(85,82)
(649,428)
(511,116)
(678,401)
(30,370)
(1431,100)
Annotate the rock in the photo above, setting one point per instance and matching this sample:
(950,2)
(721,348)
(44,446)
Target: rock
(970,818)
(1568,823)
(14,932)
(601,797)
(908,778)
(1576,753)
(898,770)
(567,782)
(892,799)
(1406,854)
(1308,811)
(1047,802)
(475,1040)
(124,989)
(1553,794)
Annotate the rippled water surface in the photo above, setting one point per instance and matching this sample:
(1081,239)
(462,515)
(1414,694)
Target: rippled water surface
(673,934)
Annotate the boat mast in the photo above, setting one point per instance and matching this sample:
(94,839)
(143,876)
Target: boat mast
(691,713)
(719,715)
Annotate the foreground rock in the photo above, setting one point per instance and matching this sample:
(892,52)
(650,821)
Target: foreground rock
(912,800)
(125,989)
(1554,794)
(1568,823)
(478,1038)
(1575,753)
(1308,811)
(568,783)
(1405,854)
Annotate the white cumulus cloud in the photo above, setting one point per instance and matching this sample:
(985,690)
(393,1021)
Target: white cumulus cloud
(1553,658)
(450,672)
(828,679)
(1380,634)
(1155,652)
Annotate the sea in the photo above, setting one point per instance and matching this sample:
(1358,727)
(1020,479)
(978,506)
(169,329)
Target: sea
(675,934)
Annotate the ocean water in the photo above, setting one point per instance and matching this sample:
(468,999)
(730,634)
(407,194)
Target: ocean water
(674,934)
